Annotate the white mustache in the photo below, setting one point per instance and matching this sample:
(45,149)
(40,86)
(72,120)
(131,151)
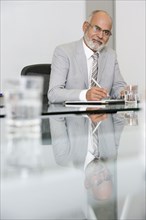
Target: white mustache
(96,46)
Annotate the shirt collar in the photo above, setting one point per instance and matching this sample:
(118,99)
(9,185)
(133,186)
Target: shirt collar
(88,51)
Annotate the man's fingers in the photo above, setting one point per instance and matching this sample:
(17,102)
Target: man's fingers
(96,93)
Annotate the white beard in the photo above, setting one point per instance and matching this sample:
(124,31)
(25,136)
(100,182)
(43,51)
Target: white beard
(93,46)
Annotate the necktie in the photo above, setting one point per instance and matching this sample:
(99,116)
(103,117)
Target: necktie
(94,69)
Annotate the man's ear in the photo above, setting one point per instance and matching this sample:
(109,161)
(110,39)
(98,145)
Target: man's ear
(85,26)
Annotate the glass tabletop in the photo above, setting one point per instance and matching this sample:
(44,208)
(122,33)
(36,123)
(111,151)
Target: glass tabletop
(52,109)
(61,171)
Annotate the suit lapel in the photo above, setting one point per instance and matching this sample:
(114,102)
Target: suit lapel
(80,58)
(101,64)
(81,62)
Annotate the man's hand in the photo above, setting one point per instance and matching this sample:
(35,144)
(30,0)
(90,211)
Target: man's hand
(96,94)
(122,94)
(97,117)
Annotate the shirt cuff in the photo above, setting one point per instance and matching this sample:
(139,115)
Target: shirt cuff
(82,95)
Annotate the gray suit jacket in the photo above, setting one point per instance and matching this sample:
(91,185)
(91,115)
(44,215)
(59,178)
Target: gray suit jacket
(69,75)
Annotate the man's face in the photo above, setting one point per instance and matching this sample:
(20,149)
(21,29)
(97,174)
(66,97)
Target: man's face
(97,32)
(99,181)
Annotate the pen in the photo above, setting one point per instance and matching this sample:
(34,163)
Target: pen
(100,87)
(96,83)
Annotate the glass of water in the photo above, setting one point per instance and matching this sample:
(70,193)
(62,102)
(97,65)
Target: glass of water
(131,95)
(23,101)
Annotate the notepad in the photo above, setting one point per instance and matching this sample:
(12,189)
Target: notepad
(95,103)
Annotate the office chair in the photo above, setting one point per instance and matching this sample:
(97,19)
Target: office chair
(39,70)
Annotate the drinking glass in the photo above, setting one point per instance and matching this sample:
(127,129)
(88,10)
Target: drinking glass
(23,101)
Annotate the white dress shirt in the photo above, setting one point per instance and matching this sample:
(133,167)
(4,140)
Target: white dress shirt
(89,58)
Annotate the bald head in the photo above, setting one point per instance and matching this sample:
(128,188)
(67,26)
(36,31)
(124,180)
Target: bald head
(100,14)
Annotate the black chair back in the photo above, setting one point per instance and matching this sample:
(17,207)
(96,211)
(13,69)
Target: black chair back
(43,70)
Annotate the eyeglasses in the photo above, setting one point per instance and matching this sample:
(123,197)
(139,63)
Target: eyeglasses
(97,29)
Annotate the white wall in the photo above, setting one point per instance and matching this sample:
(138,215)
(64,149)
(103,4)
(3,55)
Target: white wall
(130,41)
(30,31)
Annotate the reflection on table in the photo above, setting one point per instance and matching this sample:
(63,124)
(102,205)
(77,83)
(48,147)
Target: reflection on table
(61,171)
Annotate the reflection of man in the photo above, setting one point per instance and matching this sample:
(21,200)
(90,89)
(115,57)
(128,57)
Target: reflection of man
(99,162)
(71,140)
(71,137)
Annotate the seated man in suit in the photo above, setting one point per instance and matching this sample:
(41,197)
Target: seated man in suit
(73,65)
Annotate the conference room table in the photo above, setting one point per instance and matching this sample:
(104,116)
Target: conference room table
(52,171)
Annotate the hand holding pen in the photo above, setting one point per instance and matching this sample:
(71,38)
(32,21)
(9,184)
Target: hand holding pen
(96,93)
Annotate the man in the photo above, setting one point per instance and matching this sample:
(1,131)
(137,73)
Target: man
(72,63)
